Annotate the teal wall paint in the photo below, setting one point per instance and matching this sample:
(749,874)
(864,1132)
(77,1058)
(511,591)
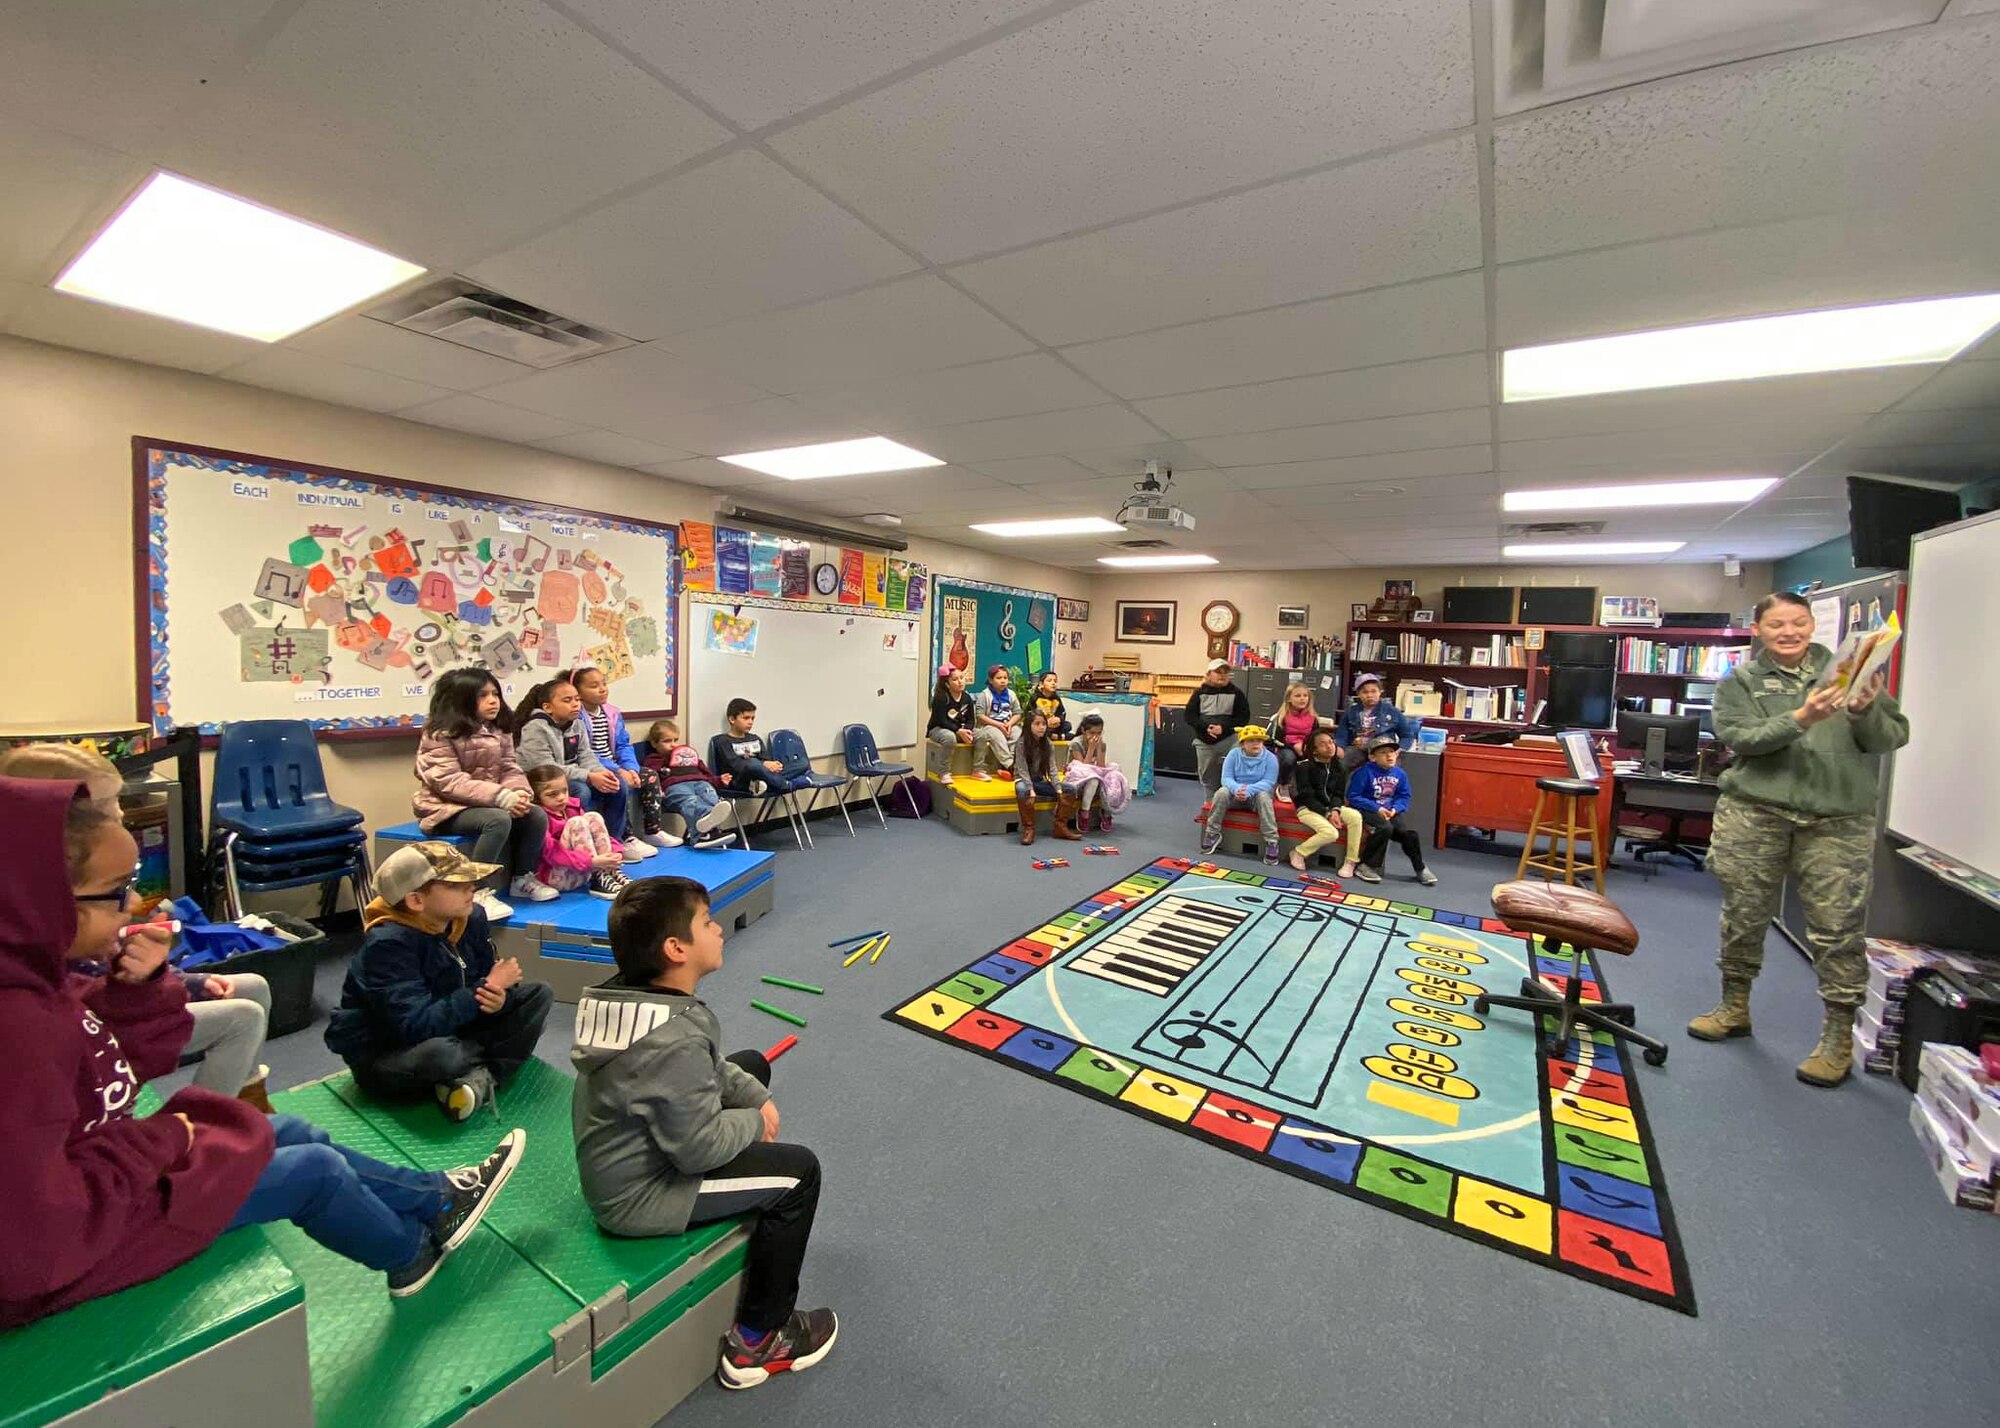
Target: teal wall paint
(1830,563)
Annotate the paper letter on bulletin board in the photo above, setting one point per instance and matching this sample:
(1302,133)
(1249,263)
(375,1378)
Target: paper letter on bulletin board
(342,596)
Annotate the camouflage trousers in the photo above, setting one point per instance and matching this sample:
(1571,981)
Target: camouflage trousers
(1831,862)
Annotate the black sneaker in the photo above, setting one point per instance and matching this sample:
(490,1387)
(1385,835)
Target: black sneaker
(806,1338)
(1209,843)
(608,884)
(417,1273)
(471,1189)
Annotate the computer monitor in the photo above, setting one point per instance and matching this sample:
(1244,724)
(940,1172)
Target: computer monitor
(1660,735)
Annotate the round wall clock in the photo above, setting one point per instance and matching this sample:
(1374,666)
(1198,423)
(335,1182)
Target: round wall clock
(1220,619)
(826,578)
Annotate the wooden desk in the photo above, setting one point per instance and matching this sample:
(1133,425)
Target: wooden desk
(1493,786)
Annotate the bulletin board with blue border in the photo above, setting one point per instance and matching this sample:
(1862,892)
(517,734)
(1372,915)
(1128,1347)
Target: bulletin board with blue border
(975,625)
(270,589)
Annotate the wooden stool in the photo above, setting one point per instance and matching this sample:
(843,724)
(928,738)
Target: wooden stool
(1562,830)
(1553,917)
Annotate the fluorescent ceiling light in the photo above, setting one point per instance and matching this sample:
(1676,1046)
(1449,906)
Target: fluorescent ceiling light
(1154,562)
(835,458)
(1733,491)
(197,255)
(1839,340)
(1589,549)
(1053,526)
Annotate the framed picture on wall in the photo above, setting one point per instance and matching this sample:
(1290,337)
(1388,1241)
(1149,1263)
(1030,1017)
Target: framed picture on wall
(1423,617)
(1145,622)
(1075,611)
(1293,617)
(1357,611)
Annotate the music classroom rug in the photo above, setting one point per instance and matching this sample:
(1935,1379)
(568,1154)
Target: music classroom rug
(1332,1035)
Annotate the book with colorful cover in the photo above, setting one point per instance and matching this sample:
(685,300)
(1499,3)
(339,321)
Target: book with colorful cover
(1861,656)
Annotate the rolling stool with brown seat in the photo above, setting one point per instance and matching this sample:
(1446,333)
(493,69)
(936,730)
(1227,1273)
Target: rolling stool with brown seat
(1562,831)
(1552,914)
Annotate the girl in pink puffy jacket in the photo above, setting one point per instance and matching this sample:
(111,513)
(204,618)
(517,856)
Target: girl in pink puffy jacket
(469,782)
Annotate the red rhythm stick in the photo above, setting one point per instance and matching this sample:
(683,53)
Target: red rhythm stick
(781,1048)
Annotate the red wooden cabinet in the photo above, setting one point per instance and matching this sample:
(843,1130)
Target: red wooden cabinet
(1493,786)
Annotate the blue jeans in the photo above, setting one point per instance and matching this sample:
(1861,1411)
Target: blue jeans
(690,800)
(613,806)
(373,1213)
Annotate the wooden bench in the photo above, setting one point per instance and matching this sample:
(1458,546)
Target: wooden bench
(1241,837)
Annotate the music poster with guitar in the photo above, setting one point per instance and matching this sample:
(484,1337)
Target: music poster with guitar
(279,590)
(975,625)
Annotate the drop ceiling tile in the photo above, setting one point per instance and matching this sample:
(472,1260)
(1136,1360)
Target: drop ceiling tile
(612,449)
(912,325)
(364,342)
(754,426)
(1794,265)
(439,131)
(1773,403)
(1427,431)
(1395,466)
(1729,448)
(1437,384)
(306,375)
(1961,385)
(13,296)
(707,471)
(1037,471)
(759,63)
(640,391)
(53,184)
(1011,386)
(1930,428)
(1411,214)
(49,316)
(118,72)
(1177,98)
(484,418)
(736,236)
(1427,319)
(1748,143)
(1043,434)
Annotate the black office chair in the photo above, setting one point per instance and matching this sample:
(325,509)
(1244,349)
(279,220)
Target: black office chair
(1668,845)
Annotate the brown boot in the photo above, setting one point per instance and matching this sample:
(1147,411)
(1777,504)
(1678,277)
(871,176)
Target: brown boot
(253,1091)
(1833,1058)
(1026,803)
(1732,1018)
(1065,819)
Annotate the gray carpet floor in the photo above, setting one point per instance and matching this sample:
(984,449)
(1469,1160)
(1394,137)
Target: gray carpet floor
(1003,1251)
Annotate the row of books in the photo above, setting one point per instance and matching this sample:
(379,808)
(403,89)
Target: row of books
(1637,656)
(1309,652)
(1497,651)
(1491,703)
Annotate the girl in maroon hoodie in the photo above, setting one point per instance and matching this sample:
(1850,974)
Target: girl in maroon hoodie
(97,1198)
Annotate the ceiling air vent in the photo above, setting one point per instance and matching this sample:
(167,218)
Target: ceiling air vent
(1137,544)
(468,315)
(1555,528)
(1545,51)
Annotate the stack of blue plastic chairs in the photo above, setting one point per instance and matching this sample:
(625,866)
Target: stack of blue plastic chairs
(273,825)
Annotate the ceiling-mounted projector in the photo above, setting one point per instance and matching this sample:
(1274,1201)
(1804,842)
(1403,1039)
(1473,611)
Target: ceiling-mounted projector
(1147,510)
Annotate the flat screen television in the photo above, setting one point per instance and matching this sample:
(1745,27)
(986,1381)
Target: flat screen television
(1884,515)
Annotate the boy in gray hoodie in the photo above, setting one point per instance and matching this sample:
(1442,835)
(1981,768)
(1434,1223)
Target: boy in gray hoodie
(671,1133)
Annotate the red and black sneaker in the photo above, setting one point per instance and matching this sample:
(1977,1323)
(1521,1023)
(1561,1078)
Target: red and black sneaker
(806,1338)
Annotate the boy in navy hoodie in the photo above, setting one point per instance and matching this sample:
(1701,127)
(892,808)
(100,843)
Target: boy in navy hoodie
(1381,792)
(427,1008)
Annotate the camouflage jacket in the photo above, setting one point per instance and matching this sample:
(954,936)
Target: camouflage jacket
(1826,771)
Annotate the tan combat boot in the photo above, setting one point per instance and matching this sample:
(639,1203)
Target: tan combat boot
(1732,1018)
(1833,1058)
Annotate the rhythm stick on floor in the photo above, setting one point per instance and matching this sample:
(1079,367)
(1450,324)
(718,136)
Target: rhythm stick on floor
(782,1015)
(793,986)
(861,951)
(876,955)
(858,937)
(781,1048)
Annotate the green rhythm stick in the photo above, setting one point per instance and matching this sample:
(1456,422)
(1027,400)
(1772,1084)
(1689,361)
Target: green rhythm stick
(770,1010)
(793,986)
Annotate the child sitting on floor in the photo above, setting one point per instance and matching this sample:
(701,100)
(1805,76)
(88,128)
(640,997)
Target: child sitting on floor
(1381,792)
(671,1133)
(579,851)
(1093,777)
(688,786)
(1249,774)
(99,1199)
(427,1007)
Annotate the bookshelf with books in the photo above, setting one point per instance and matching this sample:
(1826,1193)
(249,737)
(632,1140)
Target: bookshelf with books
(1484,676)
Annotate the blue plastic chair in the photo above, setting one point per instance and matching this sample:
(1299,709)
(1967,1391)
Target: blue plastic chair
(790,750)
(268,783)
(864,761)
(736,798)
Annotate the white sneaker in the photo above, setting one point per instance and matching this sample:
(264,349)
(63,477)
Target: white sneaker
(533,889)
(637,852)
(489,901)
(661,839)
(713,819)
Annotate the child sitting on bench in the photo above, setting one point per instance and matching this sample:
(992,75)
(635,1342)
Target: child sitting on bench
(99,1199)
(1249,775)
(671,1133)
(579,851)
(427,1007)
(1381,792)
(687,785)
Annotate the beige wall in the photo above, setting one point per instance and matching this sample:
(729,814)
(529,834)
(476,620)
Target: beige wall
(1328,593)
(66,535)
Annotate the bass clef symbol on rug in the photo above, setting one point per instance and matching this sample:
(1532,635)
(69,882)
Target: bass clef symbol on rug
(1192,1031)
(1007,630)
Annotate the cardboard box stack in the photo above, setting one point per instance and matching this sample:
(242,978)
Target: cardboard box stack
(1878,1028)
(1956,1116)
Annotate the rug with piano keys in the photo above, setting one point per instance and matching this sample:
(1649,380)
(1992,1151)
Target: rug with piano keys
(1332,1035)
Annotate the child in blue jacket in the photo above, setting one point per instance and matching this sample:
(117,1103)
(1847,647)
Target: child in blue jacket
(1381,791)
(1249,775)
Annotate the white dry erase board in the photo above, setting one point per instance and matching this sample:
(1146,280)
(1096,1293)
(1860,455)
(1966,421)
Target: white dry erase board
(271,589)
(815,669)
(1945,783)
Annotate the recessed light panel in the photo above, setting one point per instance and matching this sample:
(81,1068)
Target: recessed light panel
(184,251)
(1054,526)
(1733,491)
(1154,562)
(1589,550)
(861,457)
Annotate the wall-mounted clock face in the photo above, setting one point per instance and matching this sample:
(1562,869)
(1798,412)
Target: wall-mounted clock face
(1220,618)
(826,578)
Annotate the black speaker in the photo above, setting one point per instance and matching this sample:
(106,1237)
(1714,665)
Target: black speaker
(1480,604)
(1559,605)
